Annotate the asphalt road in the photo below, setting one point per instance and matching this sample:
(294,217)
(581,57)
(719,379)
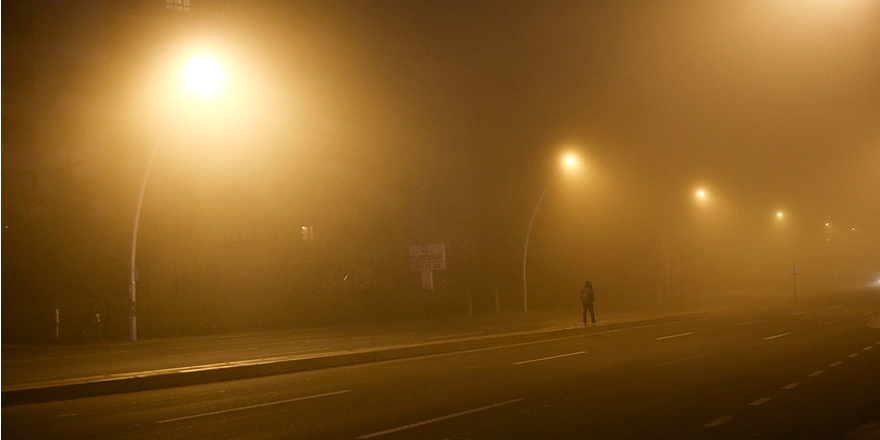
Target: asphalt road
(804,370)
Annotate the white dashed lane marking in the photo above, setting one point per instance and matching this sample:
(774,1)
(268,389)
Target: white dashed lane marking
(438,419)
(549,358)
(213,413)
(681,360)
(768,338)
(718,421)
(790,386)
(662,338)
(749,322)
(798,313)
(760,401)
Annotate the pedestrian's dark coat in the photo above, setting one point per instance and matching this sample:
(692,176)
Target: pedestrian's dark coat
(587,298)
(587,295)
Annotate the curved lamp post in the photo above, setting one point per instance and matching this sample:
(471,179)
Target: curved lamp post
(201,76)
(569,161)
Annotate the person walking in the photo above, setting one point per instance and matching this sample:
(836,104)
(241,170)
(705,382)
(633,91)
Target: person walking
(587,298)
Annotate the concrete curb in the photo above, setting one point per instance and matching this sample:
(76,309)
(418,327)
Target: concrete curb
(157,379)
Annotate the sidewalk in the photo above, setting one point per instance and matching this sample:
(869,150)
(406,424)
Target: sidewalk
(47,373)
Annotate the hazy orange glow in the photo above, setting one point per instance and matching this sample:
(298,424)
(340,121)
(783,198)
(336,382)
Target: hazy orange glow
(203,75)
(570,161)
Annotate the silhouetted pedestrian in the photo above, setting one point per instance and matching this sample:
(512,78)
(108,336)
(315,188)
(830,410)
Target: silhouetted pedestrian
(587,298)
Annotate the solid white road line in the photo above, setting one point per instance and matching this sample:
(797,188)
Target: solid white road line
(304,352)
(459,335)
(768,338)
(548,358)
(662,338)
(253,406)
(817,373)
(760,401)
(395,335)
(437,419)
(749,322)
(790,386)
(718,421)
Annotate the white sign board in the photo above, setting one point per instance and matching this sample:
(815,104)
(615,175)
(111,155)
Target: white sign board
(427,257)
(428,279)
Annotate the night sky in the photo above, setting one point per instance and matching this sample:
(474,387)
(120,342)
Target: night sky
(390,123)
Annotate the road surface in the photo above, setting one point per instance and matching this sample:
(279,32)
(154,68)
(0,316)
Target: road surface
(803,370)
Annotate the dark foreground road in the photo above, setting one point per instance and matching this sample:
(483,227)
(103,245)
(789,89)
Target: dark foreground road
(798,371)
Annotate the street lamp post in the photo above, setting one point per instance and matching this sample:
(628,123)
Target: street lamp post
(569,161)
(132,290)
(202,76)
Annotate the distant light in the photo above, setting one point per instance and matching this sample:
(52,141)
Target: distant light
(570,161)
(853,229)
(827,224)
(779,215)
(701,194)
(203,75)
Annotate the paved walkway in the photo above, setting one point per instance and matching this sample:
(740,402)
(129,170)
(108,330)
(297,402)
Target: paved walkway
(45,373)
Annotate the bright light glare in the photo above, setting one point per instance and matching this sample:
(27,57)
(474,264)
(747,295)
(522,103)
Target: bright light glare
(570,161)
(779,215)
(203,75)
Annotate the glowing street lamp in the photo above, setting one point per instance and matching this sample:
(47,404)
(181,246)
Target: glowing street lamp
(202,76)
(569,162)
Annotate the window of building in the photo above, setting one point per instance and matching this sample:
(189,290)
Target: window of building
(177,5)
